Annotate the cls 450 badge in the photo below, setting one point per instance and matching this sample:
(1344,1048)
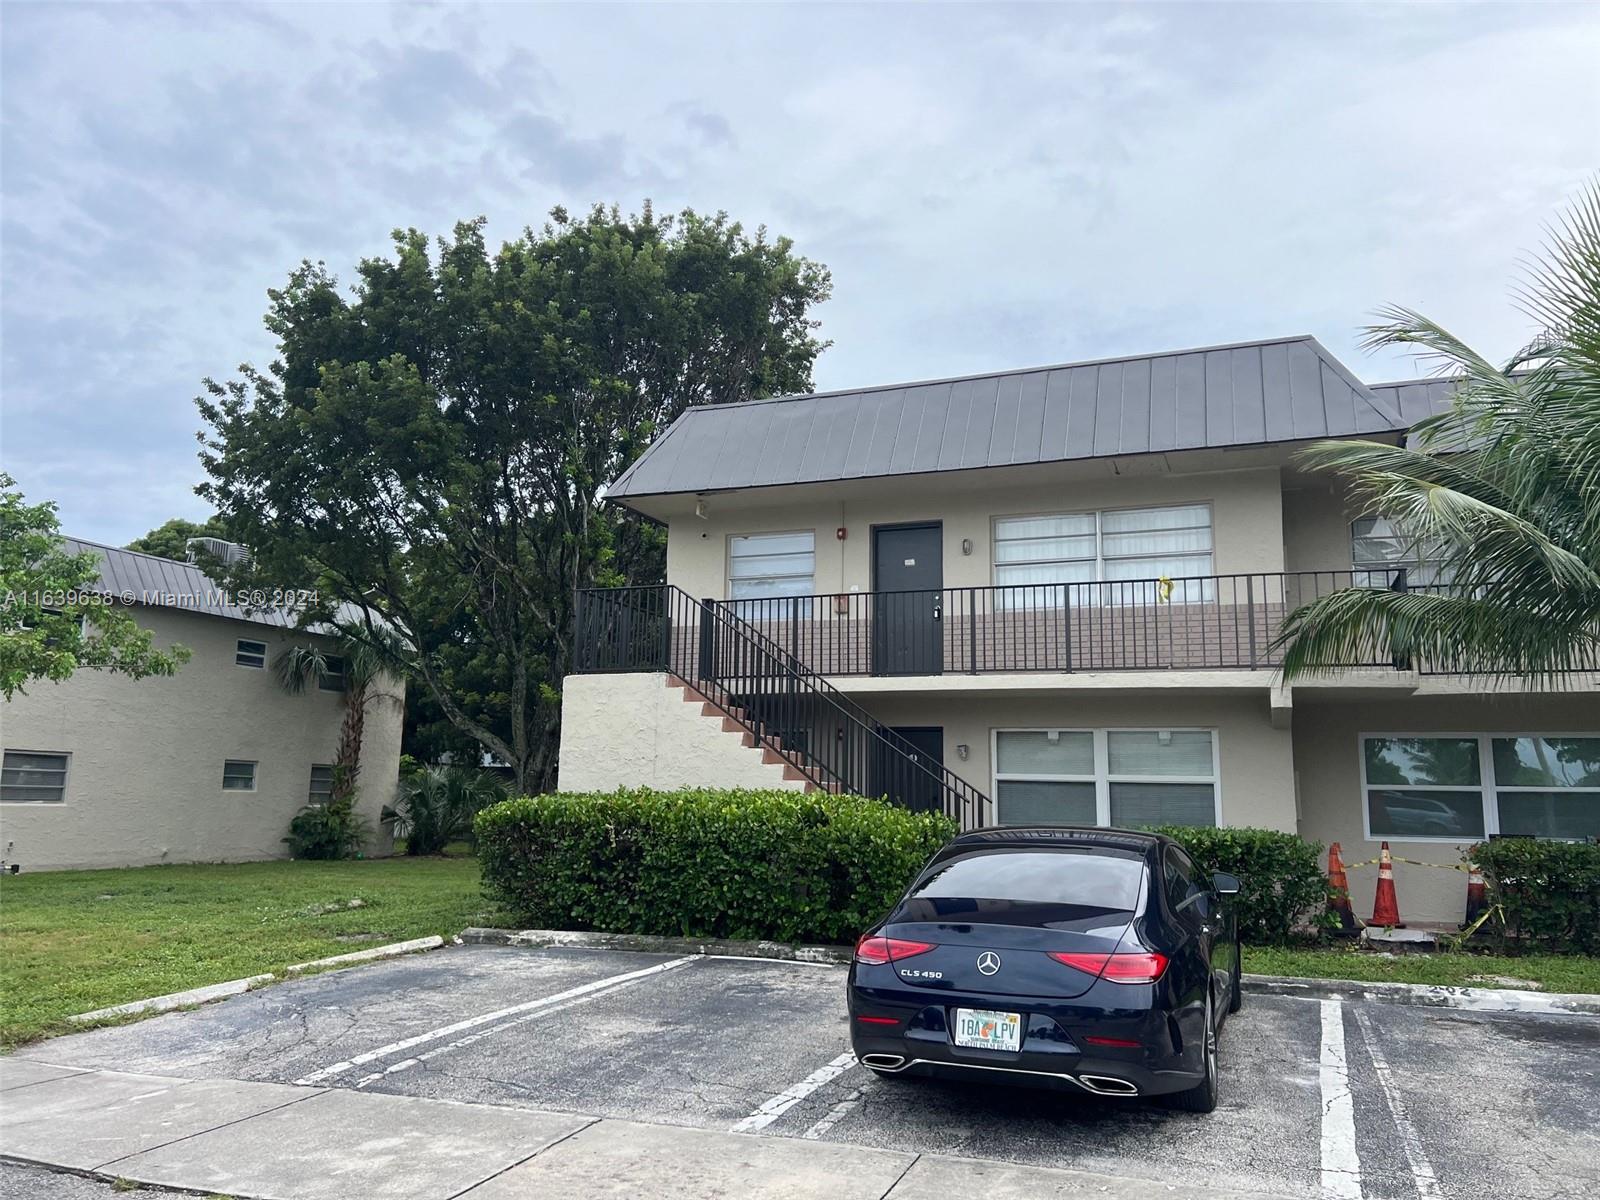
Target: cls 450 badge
(909,973)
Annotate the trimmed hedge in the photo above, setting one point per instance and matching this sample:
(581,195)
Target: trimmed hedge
(1282,885)
(790,866)
(1549,891)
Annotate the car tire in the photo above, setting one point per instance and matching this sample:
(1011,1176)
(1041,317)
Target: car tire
(1202,1098)
(1236,996)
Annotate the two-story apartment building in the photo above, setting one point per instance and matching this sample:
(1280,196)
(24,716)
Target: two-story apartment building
(206,765)
(1051,595)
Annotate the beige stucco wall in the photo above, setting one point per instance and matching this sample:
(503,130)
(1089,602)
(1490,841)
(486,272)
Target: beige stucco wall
(1327,756)
(636,731)
(1247,517)
(1256,760)
(144,781)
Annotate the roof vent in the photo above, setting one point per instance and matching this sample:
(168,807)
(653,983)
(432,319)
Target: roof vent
(226,552)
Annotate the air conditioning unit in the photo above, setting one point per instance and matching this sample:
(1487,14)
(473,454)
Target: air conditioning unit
(225,552)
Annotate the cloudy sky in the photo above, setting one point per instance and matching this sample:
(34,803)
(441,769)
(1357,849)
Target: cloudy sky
(991,186)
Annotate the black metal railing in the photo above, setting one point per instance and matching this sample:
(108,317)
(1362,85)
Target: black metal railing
(1191,623)
(789,708)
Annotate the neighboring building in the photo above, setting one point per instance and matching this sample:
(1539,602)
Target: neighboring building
(206,765)
(1050,595)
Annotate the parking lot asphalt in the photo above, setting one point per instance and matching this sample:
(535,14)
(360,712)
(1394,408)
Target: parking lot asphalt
(1319,1098)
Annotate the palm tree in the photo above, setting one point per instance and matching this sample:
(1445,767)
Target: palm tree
(1507,484)
(357,667)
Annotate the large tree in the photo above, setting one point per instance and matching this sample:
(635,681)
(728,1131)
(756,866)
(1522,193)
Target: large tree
(1506,484)
(54,619)
(430,451)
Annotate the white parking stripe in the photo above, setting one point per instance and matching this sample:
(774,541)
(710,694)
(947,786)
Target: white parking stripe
(433,1035)
(836,1114)
(775,1107)
(1341,1166)
(1410,1141)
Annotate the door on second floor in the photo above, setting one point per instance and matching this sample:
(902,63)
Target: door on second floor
(908,599)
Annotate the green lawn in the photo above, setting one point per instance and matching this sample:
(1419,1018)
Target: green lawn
(71,941)
(1555,973)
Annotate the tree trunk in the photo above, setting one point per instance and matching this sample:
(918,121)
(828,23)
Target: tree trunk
(347,759)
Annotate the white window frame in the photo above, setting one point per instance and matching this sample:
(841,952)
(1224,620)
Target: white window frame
(255,776)
(1099,587)
(240,652)
(342,675)
(1488,790)
(1102,777)
(66,773)
(312,795)
(1413,566)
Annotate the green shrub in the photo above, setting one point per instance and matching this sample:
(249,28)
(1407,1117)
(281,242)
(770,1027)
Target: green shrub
(435,805)
(1549,891)
(331,830)
(791,866)
(1281,883)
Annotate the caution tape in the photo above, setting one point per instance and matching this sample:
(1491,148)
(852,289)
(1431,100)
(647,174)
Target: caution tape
(1373,862)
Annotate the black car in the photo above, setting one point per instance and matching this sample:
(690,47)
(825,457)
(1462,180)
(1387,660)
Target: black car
(1085,959)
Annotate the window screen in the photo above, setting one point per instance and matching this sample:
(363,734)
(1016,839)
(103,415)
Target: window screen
(1379,548)
(33,777)
(238,776)
(250,654)
(1032,553)
(769,569)
(321,784)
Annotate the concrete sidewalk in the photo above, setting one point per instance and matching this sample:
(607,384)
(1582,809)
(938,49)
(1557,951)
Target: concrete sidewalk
(279,1142)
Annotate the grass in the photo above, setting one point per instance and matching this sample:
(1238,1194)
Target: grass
(1554,972)
(72,941)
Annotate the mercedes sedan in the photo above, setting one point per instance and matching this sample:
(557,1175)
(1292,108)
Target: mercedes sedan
(1094,960)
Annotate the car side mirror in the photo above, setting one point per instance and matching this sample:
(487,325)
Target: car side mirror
(1224,884)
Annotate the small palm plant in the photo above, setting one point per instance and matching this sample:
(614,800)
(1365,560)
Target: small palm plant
(434,806)
(358,668)
(1506,484)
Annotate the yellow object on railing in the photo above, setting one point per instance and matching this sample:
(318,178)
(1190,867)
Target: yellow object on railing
(1164,589)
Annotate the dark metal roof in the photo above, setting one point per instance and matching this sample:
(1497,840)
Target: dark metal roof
(165,583)
(1415,399)
(1287,389)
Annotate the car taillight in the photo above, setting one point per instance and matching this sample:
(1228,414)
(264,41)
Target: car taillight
(1121,967)
(1121,1043)
(879,950)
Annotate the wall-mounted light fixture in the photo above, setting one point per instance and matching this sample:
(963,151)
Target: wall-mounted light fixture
(700,508)
(962,750)
(966,545)
(839,533)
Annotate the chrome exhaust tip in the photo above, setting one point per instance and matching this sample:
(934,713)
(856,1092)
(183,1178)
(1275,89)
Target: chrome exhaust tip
(1105,1085)
(883,1062)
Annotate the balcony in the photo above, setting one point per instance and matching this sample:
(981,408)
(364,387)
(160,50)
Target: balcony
(1199,623)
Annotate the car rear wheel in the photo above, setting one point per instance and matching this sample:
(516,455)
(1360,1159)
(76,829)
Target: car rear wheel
(1202,1098)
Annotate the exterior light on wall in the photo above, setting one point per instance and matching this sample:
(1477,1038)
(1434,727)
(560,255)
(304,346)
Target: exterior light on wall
(700,508)
(962,750)
(966,545)
(839,533)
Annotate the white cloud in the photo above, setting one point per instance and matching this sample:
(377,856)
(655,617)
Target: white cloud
(991,186)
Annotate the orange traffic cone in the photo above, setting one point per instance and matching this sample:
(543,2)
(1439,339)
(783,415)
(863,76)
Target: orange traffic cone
(1385,908)
(1339,891)
(1475,899)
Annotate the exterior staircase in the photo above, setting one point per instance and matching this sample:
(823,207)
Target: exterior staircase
(820,737)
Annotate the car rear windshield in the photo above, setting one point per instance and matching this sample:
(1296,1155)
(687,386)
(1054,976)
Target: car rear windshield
(1095,878)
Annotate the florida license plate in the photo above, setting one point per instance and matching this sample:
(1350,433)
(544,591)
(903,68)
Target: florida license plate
(985,1030)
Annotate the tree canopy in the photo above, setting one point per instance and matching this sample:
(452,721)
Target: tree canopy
(1506,484)
(430,450)
(53,620)
(170,539)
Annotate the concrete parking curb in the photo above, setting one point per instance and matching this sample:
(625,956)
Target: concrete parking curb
(172,1000)
(1425,995)
(1491,1000)
(392,950)
(646,943)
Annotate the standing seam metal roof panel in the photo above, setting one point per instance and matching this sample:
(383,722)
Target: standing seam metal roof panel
(1285,389)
